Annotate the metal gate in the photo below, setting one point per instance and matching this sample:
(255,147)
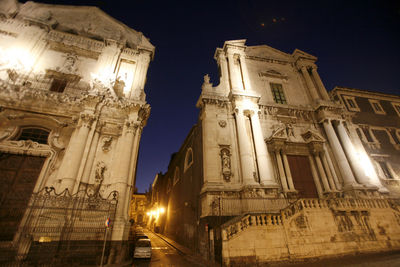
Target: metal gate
(63,229)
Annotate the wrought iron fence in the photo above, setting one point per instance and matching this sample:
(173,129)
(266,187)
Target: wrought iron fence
(63,229)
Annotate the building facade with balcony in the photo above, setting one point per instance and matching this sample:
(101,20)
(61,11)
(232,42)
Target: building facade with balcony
(376,121)
(72,112)
(274,169)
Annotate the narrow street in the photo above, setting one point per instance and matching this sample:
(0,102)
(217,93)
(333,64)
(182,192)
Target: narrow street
(163,254)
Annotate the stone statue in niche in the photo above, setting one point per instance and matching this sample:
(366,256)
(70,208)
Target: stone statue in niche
(206,79)
(119,86)
(98,178)
(70,64)
(206,83)
(226,163)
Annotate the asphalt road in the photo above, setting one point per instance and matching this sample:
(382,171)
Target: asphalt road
(163,255)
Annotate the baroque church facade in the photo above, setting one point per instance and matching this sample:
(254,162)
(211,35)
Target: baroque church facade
(278,169)
(72,112)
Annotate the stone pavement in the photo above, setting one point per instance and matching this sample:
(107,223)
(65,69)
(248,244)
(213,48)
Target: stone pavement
(191,256)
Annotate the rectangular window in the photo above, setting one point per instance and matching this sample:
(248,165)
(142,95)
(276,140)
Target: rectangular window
(58,85)
(396,107)
(376,106)
(351,103)
(394,136)
(277,93)
(385,169)
(367,135)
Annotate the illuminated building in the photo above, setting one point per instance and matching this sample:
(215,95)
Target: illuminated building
(72,112)
(274,169)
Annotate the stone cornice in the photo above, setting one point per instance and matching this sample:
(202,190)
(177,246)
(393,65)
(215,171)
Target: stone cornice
(220,101)
(269,60)
(76,40)
(363,93)
(295,112)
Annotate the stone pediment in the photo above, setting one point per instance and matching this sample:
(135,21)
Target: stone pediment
(298,54)
(265,51)
(311,136)
(85,21)
(279,133)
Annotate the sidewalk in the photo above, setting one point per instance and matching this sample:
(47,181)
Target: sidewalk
(196,259)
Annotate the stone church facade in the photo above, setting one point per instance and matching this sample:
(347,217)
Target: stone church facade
(275,169)
(72,112)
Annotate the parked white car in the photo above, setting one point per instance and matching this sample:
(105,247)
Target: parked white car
(142,248)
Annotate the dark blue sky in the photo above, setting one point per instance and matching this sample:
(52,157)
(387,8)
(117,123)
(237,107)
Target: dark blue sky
(357,44)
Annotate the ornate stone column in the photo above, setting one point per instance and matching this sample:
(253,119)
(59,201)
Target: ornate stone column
(263,157)
(344,167)
(73,156)
(338,186)
(351,154)
(245,73)
(246,159)
(281,170)
(328,172)
(315,176)
(224,68)
(287,170)
(320,85)
(233,73)
(310,85)
(322,172)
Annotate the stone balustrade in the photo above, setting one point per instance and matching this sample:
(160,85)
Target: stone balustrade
(236,226)
(239,224)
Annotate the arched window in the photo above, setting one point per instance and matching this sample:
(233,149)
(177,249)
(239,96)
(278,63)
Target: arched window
(35,134)
(176,175)
(188,158)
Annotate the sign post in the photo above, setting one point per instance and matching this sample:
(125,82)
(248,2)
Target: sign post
(107,224)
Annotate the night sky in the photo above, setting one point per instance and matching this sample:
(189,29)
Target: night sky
(357,44)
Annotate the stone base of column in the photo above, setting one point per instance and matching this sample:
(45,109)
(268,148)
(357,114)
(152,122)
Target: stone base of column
(269,184)
(365,193)
(353,186)
(383,190)
(292,194)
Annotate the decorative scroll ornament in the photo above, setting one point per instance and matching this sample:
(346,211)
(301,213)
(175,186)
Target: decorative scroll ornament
(222,123)
(107,143)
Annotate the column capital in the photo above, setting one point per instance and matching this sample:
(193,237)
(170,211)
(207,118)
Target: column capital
(86,119)
(249,112)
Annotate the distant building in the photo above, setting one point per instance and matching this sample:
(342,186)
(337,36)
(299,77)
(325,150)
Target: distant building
(138,208)
(275,170)
(72,112)
(376,120)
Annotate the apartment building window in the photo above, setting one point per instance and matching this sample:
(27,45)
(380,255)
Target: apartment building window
(188,159)
(351,103)
(385,169)
(376,106)
(277,93)
(367,134)
(396,107)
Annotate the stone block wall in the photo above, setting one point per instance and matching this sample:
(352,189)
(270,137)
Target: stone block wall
(312,228)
